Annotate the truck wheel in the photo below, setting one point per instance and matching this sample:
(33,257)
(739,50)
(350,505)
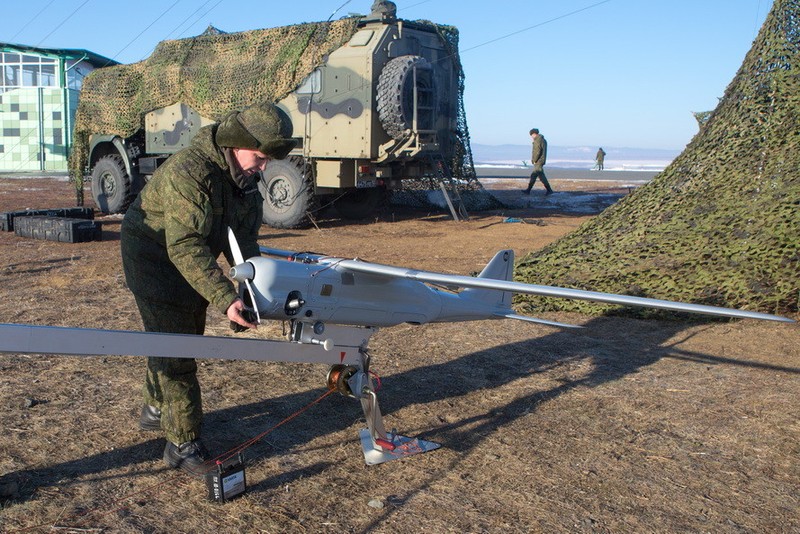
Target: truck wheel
(287,193)
(111,184)
(359,203)
(396,95)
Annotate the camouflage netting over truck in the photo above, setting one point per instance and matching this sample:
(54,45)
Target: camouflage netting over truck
(215,73)
(472,193)
(720,225)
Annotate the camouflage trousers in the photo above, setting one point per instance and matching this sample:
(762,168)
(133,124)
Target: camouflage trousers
(171,384)
(538,172)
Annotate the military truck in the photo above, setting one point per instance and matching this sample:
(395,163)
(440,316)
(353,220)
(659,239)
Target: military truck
(381,108)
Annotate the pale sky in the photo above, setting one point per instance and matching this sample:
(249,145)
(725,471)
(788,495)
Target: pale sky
(617,73)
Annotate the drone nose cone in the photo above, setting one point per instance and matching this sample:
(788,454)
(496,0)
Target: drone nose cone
(243,271)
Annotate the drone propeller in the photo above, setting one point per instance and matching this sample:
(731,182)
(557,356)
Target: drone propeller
(242,271)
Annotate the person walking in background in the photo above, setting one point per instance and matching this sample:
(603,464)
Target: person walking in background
(538,159)
(600,158)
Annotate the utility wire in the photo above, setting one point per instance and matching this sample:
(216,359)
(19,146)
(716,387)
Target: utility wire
(62,22)
(209,10)
(565,15)
(32,19)
(755,24)
(537,25)
(192,14)
(336,10)
(458,53)
(146,28)
(412,5)
(331,16)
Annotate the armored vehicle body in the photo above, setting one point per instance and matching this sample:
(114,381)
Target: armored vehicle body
(383,106)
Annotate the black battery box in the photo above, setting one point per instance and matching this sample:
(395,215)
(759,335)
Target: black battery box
(7,217)
(226,480)
(63,229)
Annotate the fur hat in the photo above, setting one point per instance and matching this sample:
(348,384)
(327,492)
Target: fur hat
(263,127)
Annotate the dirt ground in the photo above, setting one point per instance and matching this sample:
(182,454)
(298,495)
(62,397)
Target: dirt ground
(623,426)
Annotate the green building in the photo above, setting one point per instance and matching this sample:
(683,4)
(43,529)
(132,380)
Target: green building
(39,89)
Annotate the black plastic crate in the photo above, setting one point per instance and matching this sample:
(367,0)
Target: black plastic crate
(7,218)
(64,229)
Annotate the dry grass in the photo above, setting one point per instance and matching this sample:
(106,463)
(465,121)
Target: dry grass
(624,426)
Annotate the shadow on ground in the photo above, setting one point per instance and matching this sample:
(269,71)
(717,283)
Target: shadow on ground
(609,359)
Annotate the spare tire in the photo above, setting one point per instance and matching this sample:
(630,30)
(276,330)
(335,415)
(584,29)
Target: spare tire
(396,95)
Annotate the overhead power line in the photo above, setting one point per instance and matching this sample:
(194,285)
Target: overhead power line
(565,15)
(62,22)
(209,10)
(755,24)
(36,16)
(190,15)
(337,9)
(146,28)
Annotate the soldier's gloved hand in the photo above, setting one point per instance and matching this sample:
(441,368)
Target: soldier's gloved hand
(248,316)
(240,317)
(236,327)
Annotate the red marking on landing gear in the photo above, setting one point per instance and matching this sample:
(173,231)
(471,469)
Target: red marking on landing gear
(388,445)
(341,356)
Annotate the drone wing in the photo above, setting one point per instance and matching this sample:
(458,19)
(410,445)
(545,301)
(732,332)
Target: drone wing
(548,291)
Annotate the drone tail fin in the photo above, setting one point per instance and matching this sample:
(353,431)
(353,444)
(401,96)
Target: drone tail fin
(501,267)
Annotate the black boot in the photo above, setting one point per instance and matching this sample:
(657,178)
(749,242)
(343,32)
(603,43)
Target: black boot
(190,457)
(150,419)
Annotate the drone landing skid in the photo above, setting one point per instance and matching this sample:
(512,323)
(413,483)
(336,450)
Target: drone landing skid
(380,446)
(403,447)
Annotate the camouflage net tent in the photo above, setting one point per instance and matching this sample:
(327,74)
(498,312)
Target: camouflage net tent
(721,224)
(217,72)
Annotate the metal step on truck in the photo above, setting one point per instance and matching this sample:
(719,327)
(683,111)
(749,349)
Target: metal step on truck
(382,107)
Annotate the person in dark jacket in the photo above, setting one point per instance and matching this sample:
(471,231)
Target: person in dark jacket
(538,159)
(171,237)
(600,157)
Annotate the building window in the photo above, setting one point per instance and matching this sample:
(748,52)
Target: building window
(30,75)
(12,76)
(48,76)
(76,73)
(27,71)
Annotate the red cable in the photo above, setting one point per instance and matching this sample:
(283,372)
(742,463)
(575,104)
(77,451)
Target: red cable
(252,441)
(159,485)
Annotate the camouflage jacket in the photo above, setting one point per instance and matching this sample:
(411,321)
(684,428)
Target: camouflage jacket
(539,151)
(176,229)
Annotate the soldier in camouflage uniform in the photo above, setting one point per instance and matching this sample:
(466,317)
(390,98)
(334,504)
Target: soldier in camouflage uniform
(538,159)
(171,237)
(600,157)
